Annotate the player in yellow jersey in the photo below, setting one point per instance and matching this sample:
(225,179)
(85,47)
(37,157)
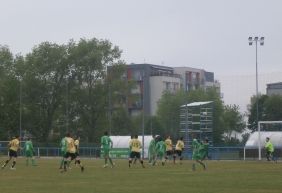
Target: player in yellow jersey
(76,143)
(179,147)
(169,150)
(71,153)
(14,146)
(135,146)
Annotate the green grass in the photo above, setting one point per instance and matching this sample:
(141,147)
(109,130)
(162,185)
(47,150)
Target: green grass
(221,176)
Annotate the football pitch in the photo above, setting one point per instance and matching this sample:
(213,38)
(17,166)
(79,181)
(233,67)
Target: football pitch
(220,176)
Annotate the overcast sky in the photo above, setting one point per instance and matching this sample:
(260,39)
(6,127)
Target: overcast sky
(208,34)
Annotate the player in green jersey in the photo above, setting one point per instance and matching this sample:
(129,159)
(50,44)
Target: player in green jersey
(200,152)
(106,145)
(29,152)
(152,150)
(160,149)
(63,146)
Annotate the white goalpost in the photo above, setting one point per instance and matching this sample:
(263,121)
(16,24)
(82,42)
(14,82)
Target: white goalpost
(260,123)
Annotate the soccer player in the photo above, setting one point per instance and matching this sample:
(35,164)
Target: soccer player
(269,149)
(29,151)
(169,150)
(14,146)
(200,152)
(152,150)
(135,146)
(70,153)
(131,138)
(160,149)
(178,150)
(76,143)
(106,145)
(63,145)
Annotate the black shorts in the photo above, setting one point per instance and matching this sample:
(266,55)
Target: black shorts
(76,154)
(178,152)
(169,152)
(134,154)
(71,155)
(13,153)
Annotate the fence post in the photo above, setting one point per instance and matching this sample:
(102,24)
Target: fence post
(38,152)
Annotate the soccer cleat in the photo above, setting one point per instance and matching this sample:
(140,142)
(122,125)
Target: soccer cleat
(105,166)
(12,168)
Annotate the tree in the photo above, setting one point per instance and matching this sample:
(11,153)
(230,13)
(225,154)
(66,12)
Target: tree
(44,78)
(233,122)
(252,111)
(168,112)
(63,88)
(87,62)
(9,95)
(272,108)
(269,110)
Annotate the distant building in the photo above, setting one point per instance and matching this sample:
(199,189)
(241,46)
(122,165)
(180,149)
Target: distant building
(152,81)
(274,89)
(193,78)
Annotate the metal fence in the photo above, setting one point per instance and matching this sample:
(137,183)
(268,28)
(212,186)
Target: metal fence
(54,152)
(215,153)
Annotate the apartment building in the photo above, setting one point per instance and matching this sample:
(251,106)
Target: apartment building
(153,80)
(274,89)
(193,78)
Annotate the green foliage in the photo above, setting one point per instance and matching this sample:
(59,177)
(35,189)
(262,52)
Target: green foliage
(9,97)
(269,110)
(62,88)
(233,122)
(168,113)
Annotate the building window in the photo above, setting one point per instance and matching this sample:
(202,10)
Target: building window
(175,86)
(167,85)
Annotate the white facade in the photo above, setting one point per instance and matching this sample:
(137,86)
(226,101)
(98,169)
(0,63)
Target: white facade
(159,84)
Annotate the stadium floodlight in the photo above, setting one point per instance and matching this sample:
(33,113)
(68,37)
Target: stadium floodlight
(250,41)
(261,41)
(256,40)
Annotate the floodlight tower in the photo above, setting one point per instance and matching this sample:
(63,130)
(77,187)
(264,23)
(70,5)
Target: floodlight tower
(261,42)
